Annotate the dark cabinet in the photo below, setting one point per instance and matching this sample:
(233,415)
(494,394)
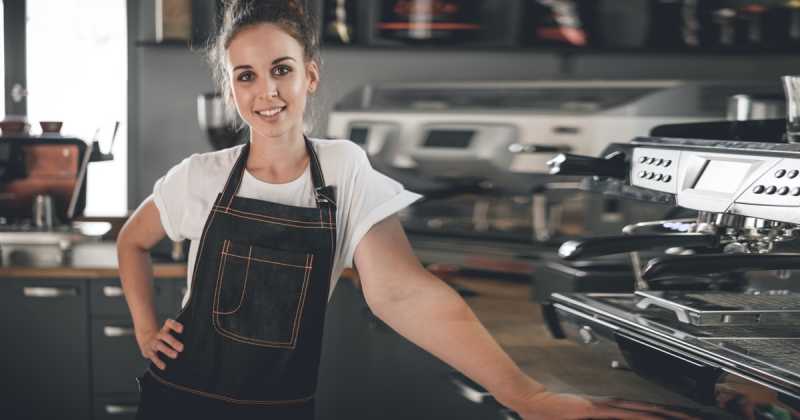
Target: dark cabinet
(369,371)
(69,347)
(45,351)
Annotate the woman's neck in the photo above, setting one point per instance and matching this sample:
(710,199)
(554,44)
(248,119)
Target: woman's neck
(277,159)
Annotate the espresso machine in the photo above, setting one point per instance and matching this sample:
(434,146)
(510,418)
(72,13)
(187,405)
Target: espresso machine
(715,308)
(478,152)
(42,193)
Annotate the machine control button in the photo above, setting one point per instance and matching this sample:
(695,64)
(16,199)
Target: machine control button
(793,173)
(783,190)
(667,163)
(759,189)
(780,173)
(660,162)
(667,178)
(643,174)
(796,191)
(651,176)
(660,177)
(651,160)
(772,189)
(643,159)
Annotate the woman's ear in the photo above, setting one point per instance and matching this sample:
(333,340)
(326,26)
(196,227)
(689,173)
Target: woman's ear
(312,72)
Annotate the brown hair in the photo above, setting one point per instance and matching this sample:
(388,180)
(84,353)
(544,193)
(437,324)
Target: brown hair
(290,15)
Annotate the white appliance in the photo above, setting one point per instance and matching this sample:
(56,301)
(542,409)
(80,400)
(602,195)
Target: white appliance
(501,134)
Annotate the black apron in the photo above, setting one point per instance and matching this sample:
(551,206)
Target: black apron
(252,328)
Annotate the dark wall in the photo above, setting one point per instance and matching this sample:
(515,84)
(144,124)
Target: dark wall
(165,82)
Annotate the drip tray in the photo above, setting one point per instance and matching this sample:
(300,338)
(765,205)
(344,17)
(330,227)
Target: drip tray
(780,353)
(726,308)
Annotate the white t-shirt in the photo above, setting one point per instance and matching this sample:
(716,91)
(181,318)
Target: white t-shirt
(364,196)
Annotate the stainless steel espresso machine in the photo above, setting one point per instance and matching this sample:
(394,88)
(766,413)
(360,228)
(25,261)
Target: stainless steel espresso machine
(42,192)
(716,316)
(478,152)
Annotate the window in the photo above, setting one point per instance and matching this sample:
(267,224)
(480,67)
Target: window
(77,73)
(2,61)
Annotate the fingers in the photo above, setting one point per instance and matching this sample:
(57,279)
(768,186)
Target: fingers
(651,408)
(165,343)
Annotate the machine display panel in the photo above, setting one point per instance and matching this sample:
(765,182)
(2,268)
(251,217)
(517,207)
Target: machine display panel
(453,139)
(722,176)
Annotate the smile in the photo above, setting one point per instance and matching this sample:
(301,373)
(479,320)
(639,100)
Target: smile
(270,112)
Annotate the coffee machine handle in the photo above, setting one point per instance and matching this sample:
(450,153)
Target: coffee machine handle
(677,265)
(607,245)
(612,166)
(520,148)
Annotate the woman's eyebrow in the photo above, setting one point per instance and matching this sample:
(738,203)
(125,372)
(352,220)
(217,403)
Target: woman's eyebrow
(242,66)
(278,60)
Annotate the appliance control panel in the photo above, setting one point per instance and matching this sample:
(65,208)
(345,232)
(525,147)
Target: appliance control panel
(780,186)
(655,169)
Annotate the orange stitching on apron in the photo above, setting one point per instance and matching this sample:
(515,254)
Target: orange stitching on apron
(296,327)
(333,239)
(264,343)
(244,287)
(220,270)
(275,223)
(228,399)
(264,216)
(200,249)
(265,261)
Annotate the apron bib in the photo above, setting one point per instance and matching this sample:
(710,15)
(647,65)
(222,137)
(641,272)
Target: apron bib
(252,327)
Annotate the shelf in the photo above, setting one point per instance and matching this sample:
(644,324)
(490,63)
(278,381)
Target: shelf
(185,43)
(567,51)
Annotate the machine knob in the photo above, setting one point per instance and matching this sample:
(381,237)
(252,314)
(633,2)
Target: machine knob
(587,335)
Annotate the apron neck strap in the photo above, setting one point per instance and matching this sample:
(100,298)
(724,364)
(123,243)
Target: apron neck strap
(324,194)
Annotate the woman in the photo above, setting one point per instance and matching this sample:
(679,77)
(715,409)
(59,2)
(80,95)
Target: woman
(273,223)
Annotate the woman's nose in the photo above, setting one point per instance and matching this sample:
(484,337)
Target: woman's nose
(269,89)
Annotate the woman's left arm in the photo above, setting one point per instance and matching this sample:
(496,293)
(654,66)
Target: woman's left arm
(428,312)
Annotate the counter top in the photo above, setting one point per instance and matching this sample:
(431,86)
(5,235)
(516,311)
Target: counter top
(561,365)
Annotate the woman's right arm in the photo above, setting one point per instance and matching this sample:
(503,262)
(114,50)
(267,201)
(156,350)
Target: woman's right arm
(140,233)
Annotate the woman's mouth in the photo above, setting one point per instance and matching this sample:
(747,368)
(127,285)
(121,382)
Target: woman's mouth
(270,112)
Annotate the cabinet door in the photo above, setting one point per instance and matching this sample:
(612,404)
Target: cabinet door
(116,408)
(107,297)
(45,351)
(368,371)
(117,360)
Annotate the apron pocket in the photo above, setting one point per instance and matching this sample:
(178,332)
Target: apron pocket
(260,294)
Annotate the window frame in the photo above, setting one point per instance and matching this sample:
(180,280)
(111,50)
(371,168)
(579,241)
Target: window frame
(14,48)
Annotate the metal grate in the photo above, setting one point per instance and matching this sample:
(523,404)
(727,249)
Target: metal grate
(750,302)
(783,353)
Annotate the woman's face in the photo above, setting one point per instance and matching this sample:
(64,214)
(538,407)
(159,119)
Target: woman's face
(270,79)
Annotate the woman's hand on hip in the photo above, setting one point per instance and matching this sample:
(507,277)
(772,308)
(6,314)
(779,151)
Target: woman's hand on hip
(162,341)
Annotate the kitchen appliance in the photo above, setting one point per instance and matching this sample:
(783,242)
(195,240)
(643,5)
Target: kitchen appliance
(716,315)
(478,153)
(222,127)
(42,192)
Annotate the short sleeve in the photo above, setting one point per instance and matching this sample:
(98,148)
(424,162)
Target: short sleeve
(373,197)
(169,192)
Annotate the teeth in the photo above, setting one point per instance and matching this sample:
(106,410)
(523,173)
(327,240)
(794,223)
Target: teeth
(270,112)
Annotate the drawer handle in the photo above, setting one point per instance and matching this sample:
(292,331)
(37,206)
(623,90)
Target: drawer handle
(471,392)
(49,292)
(112,291)
(121,409)
(111,331)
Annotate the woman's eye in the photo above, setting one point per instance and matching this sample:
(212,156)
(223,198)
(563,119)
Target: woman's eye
(245,76)
(281,70)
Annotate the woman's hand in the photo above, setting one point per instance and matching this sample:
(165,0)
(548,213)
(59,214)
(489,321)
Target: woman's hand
(549,406)
(162,341)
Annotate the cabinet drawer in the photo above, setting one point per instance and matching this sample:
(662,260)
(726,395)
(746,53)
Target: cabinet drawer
(116,408)
(117,360)
(107,297)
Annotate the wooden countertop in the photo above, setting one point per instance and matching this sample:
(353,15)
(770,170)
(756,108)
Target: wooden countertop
(160,271)
(561,365)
